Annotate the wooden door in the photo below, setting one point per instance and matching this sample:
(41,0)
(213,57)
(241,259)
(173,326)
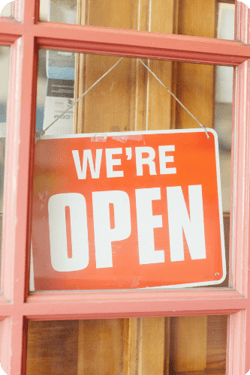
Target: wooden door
(130,98)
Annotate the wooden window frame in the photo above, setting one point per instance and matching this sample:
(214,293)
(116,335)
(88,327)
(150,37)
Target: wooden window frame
(26,35)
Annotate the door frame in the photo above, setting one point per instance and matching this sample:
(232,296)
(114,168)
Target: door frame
(26,35)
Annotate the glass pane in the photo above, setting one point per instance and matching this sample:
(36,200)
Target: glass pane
(6,10)
(128,98)
(4,65)
(162,346)
(208,18)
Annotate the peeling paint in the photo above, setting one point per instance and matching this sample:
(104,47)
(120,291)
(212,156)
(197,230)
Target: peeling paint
(124,138)
(99,138)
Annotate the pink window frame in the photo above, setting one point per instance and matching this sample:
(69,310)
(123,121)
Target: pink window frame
(26,35)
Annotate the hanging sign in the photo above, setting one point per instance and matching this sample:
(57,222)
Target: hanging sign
(127,210)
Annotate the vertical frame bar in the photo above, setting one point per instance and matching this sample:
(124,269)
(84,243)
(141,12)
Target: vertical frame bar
(238,360)
(16,241)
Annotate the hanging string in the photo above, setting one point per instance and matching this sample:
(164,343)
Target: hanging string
(41,132)
(170,92)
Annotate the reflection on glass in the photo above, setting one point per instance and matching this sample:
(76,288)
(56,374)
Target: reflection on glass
(225,20)
(162,346)
(7,10)
(64,11)
(128,98)
(208,18)
(4,68)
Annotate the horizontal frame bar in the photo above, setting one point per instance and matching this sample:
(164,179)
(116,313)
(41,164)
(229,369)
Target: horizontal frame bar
(66,310)
(131,43)
(96,305)
(132,303)
(141,44)
(125,310)
(10,30)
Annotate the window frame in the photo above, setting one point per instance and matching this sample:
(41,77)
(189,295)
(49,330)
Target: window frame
(26,35)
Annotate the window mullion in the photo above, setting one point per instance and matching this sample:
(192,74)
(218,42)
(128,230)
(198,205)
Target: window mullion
(27,11)
(20,136)
(238,333)
(236,350)
(22,99)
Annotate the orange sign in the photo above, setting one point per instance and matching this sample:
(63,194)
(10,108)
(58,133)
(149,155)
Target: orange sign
(127,210)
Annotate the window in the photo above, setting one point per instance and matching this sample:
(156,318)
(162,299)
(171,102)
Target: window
(21,310)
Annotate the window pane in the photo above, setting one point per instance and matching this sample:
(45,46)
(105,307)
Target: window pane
(128,98)
(208,18)
(162,346)
(4,66)
(7,10)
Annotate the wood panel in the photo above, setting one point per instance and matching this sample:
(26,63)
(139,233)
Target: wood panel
(162,20)
(129,98)
(188,343)
(100,347)
(145,346)
(216,342)
(197,18)
(125,346)
(112,13)
(52,348)
(159,99)
(195,89)
(152,346)
(130,350)
(110,107)
(195,83)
